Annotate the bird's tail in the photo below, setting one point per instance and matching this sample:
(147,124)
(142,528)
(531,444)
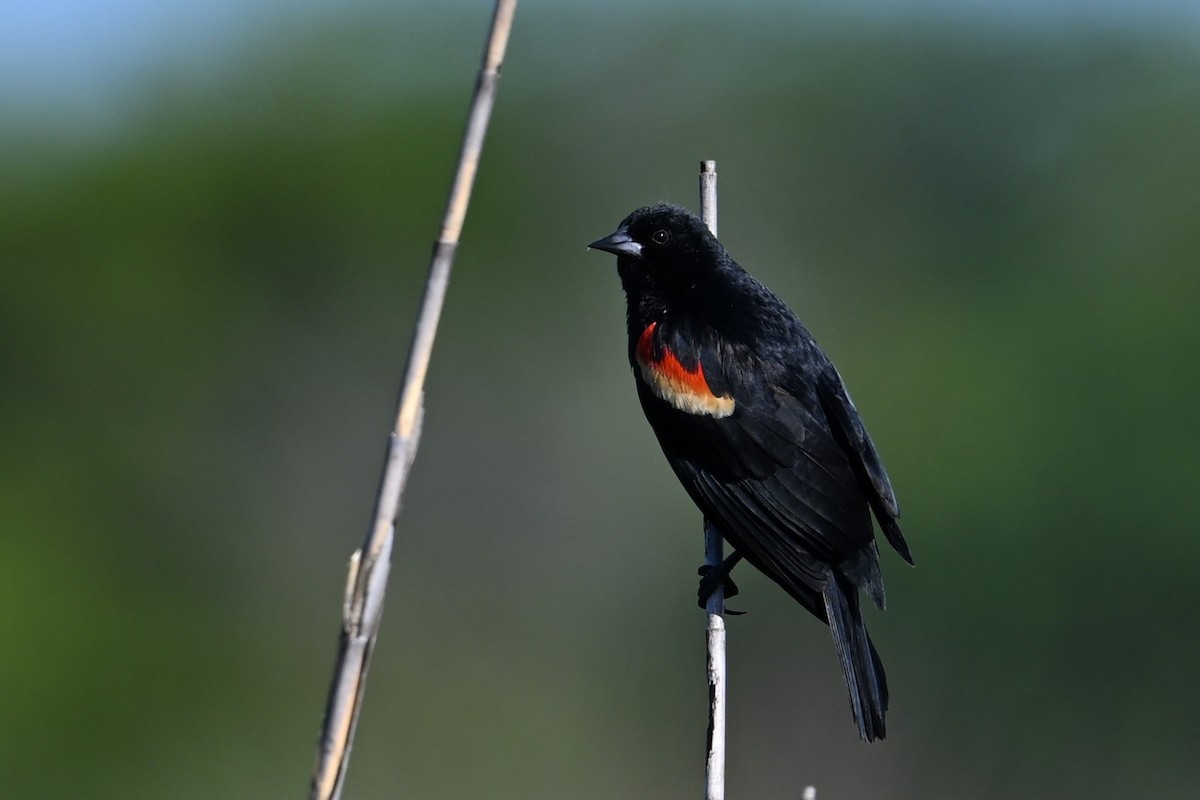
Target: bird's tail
(860,663)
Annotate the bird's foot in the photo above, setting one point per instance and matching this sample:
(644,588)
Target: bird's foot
(713,578)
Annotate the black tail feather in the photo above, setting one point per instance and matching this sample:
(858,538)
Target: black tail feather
(860,662)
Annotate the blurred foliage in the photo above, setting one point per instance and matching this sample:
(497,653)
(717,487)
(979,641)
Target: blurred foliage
(205,309)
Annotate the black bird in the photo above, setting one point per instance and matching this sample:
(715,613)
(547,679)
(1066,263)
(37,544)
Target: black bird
(760,429)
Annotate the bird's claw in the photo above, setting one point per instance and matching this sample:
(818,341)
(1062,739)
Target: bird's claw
(710,580)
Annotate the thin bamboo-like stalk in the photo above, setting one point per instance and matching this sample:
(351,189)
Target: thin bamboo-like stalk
(714,773)
(366,583)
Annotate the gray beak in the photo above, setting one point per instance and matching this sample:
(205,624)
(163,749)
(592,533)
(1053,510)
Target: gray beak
(618,243)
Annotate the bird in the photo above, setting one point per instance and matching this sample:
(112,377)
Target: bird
(759,428)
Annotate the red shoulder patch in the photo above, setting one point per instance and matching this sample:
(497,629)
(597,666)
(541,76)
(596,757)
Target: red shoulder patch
(685,389)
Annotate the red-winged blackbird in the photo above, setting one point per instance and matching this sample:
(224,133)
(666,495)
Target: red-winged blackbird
(759,428)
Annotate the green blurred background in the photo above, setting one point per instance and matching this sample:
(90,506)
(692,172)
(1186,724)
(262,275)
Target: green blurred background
(210,259)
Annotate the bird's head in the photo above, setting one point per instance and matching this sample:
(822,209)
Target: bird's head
(665,244)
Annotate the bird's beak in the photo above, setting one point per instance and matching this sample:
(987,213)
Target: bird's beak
(618,243)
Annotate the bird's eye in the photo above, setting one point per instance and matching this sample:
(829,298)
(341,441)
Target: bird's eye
(661,236)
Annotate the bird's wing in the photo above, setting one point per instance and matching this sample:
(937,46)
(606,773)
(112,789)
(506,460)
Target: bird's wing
(843,416)
(775,479)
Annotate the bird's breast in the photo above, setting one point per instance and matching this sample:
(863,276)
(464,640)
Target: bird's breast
(669,380)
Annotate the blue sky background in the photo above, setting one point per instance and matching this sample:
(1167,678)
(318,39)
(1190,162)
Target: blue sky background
(81,55)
